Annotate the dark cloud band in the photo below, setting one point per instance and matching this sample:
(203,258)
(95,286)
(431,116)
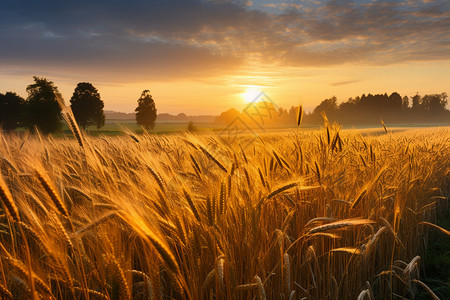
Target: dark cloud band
(188,38)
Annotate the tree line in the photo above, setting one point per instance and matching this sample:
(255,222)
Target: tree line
(42,110)
(365,109)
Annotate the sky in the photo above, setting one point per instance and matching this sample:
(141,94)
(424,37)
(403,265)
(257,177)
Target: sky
(204,57)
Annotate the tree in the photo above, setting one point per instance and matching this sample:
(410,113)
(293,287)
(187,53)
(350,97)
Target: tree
(405,103)
(395,102)
(191,127)
(434,103)
(146,110)
(87,107)
(416,102)
(228,116)
(11,110)
(328,106)
(42,108)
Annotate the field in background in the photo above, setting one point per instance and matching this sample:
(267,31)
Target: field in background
(317,214)
(115,127)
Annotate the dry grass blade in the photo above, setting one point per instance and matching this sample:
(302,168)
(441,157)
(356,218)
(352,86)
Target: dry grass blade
(206,152)
(277,159)
(389,227)
(427,289)
(363,295)
(326,234)
(318,173)
(334,142)
(340,224)
(102,219)
(248,286)
(195,163)
(384,126)
(325,118)
(374,239)
(350,250)
(261,177)
(319,220)
(281,189)
(9,164)
(369,288)
(342,201)
(444,231)
(414,263)
(359,198)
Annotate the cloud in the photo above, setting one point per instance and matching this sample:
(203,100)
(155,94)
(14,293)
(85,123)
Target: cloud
(340,83)
(282,5)
(168,39)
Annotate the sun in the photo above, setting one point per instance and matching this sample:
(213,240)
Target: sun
(250,94)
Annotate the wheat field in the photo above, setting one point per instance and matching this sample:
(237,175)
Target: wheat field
(325,214)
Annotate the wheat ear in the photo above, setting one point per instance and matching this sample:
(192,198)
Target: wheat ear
(51,191)
(7,200)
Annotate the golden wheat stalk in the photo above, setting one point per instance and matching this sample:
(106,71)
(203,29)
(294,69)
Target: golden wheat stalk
(363,294)
(92,293)
(444,231)
(222,196)
(281,189)
(261,290)
(7,200)
(210,156)
(350,250)
(340,224)
(5,293)
(384,126)
(248,286)
(158,178)
(391,230)
(287,273)
(192,205)
(124,291)
(106,217)
(427,289)
(220,267)
(207,281)
(141,228)
(22,270)
(70,119)
(51,191)
(209,211)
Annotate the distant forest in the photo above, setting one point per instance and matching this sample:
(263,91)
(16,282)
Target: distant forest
(42,110)
(367,109)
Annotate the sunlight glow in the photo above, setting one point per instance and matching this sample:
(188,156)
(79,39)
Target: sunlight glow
(250,94)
